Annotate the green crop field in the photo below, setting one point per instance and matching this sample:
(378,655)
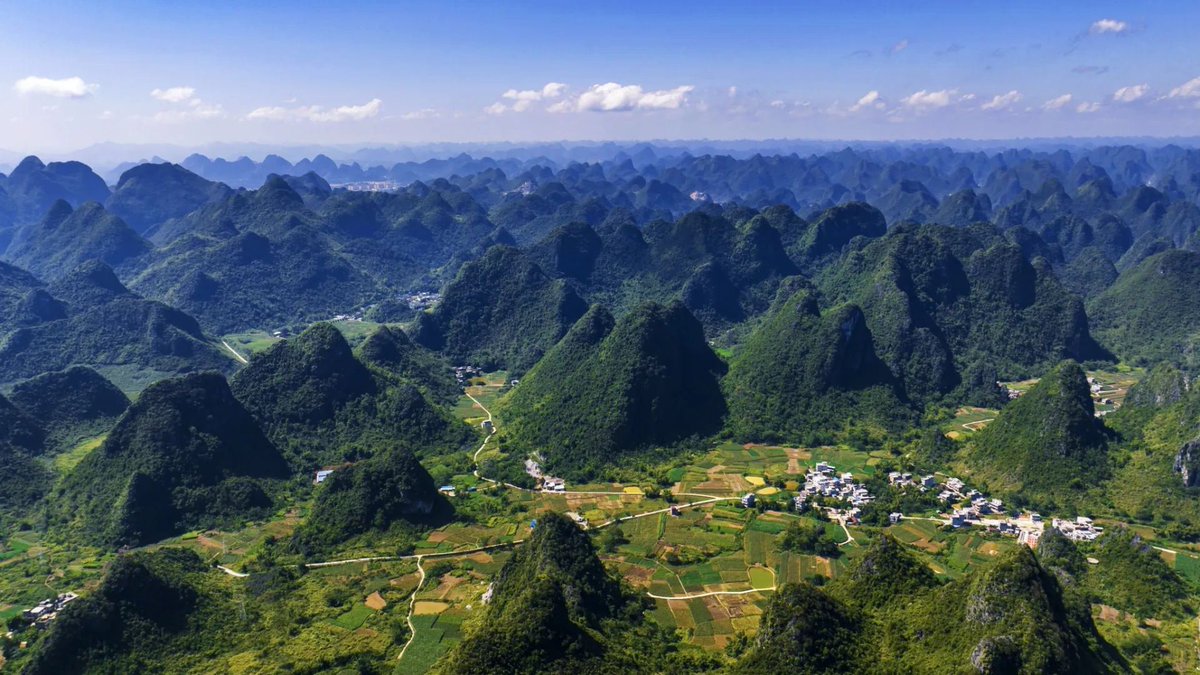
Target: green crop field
(1188,567)
(427,646)
(355,618)
(761,577)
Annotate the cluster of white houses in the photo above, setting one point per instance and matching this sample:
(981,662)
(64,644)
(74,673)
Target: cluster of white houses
(45,611)
(421,300)
(965,506)
(900,479)
(825,481)
(1080,529)
(464,373)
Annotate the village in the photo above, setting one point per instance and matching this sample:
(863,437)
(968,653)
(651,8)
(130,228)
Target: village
(842,499)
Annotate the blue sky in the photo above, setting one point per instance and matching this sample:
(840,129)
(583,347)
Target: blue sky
(76,73)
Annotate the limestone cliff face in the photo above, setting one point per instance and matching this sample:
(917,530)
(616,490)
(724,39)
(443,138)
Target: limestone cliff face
(1187,463)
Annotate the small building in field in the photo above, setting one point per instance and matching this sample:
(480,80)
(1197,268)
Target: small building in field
(748,501)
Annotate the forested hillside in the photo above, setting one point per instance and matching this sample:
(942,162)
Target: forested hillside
(185,454)
(613,387)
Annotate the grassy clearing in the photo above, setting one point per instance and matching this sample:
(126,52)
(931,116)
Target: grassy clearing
(250,342)
(13,548)
(68,460)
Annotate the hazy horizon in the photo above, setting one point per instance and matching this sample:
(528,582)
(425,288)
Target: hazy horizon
(302,73)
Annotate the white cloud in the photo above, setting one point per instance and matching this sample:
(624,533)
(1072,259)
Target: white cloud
(613,97)
(316,113)
(174,94)
(869,100)
(1189,89)
(1002,101)
(610,97)
(899,46)
(1131,93)
(929,100)
(67,87)
(1087,107)
(1108,26)
(422,114)
(525,98)
(1057,103)
(187,106)
(553,89)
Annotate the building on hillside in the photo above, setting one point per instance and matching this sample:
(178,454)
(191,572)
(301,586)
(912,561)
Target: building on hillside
(895,517)
(46,611)
(1082,529)
(748,500)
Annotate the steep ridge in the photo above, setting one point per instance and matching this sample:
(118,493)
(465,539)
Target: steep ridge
(501,311)
(615,387)
(185,454)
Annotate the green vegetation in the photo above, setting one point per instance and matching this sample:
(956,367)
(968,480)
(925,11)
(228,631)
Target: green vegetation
(613,388)
(805,631)
(1133,577)
(254,260)
(884,573)
(72,405)
(153,193)
(730,346)
(67,238)
(88,317)
(389,490)
(322,405)
(393,351)
(555,607)
(942,302)
(186,454)
(803,375)
(808,536)
(25,482)
(1046,443)
(1149,315)
(890,615)
(146,601)
(19,430)
(501,311)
